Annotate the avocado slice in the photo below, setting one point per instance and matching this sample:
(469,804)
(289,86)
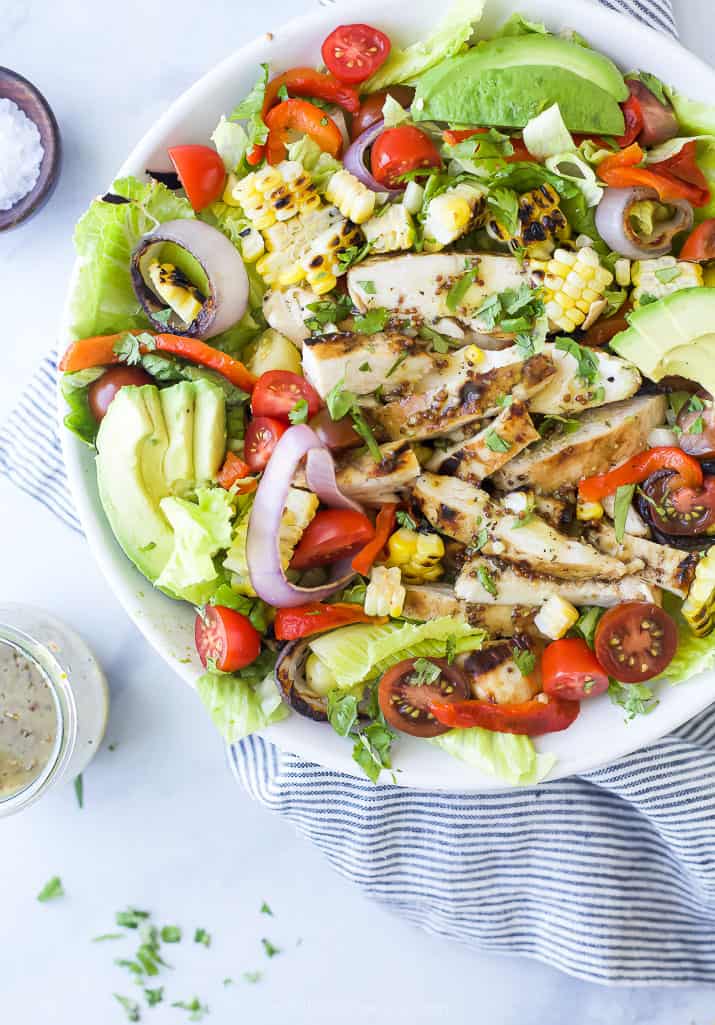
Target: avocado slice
(155,446)
(674,336)
(126,432)
(506,82)
(209,430)
(177,404)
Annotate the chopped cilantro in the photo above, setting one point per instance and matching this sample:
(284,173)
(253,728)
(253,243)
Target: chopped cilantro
(562,424)
(163,316)
(251,977)
(425,672)
(365,368)
(197,1009)
(265,910)
(108,936)
(480,539)
(398,362)
(495,442)
(202,937)
(441,344)
(131,918)
(587,362)
(525,661)
(299,413)
(487,580)
(79,790)
(52,889)
(635,698)
(131,1008)
(460,288)
(405,520)
(328,311)
(270,949)
(154,996)
(353,254)
(372,750)
(368,287)
(373,321)
(171,934)
(342,711)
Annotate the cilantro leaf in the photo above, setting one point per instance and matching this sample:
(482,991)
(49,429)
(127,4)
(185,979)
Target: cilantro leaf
(460,288)
(405,520)
(52,889)
(487,580)
(265,910)
(270,949)
(372,750)
(131,918)
(624,497)
(202,937)
(131,1007)
(171,934)
(495,442)
(373,321)
(525,661)
(299,413)
(327,311)
(587,362)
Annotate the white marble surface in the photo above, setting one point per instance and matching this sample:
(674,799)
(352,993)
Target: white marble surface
(164,825)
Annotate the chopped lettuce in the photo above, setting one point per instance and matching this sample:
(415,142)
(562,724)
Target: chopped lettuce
(231,142)
(518,25)
(508,757)
(547,135)
(315,160)
(355,653)
(241,703)
(448,39)
(573,168)
(393,113)
(80,420)
(201,530)
(694,655)
(103,301)
(250,111)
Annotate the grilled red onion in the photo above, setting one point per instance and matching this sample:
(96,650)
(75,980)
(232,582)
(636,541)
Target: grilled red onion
(320,475)
(614,226)
(354,159)
(262,547)
(221,262)
(659,121)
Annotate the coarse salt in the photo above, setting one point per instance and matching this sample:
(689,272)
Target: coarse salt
(21,154)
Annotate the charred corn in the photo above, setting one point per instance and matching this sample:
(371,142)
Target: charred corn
(699,607)
(289,242)
(236,561)
(542,224)
(173,287)
(390,231)
(353,199)
(321,263)
(575,284)
(252,245)
(661,277)
(555,617)
(385,595)
(452,214)
(300,508)
(417,555)
(273,193)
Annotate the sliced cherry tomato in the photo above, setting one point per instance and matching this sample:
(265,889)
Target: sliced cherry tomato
(571,671)
(300,116)
(277,392)
(354,52)
(635,641)
(700,245)
(678,511)
(331,535)
(405,700)
(226,638)
(306,620)
(638,468)
(454,135)
(521,153)
(201,171)
(633,114)
(336,434)
(101,392)
(262,435)
(235,473)
(371,107)
(659,121)
(606,329)
(396,151)
(543,714)
(383,528)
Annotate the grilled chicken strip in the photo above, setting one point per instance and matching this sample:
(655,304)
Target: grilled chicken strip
(495,581)
(566,392)
(493,674)
(605,438)
(431,602)
(663,566)
(362,363)
(484,453)
(462,511)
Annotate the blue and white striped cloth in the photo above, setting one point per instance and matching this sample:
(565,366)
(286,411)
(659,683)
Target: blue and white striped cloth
(610,877)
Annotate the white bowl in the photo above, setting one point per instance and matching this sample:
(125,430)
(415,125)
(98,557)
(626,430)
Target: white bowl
(600,735)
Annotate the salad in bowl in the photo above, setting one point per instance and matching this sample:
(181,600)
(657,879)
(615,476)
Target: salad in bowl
(404,380)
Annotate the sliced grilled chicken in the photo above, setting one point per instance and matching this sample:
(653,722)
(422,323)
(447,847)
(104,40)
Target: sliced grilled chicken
(556,512)
(606,437)
(494,581)
(361,478)
(483,454)
(493,674)
(616,379)
(663,566)
(431,602)
(452,506)
(287,312)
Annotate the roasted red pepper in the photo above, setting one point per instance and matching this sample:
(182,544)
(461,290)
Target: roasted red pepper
(306,620)
(236,472)
(676,178)
(638,468)
(300,116)
(533,718)
(384,525)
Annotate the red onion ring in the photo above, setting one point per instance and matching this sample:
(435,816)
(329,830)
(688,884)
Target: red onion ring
(354,159)
(262,549)
(320,475)
(612,221)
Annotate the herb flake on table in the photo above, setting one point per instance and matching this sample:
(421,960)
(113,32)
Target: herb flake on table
(108,936)
(265,910)
(79,790)
(202,937)
(131,1007)
(171,934)
(51,890)
(269,949)
(250,977)
(197,1009)
(154,996)
(132,918)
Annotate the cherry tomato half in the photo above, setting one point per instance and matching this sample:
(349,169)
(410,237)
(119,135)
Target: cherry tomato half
(700,245)
(678,511)
(101,392)
(262,436)
(633,115)
(635,641)
(354,52)
(371,108)
(542,714)
(201,171)
(226,638)
(330,535)
(396,151)
(571,671)
(404,700)
(278,391)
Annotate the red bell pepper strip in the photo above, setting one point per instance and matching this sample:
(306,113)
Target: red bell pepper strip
(543,714)
(300,116)
(99,351)
(676,178)
(385,524)
(314,618)
(235,473)
(638,468)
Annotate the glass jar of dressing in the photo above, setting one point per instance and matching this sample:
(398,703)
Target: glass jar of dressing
(54,703)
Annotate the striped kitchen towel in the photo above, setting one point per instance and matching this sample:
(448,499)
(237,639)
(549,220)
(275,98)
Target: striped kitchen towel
(610,877)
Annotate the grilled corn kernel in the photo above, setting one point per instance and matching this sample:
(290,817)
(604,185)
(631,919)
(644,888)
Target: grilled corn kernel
(390,231)
(586,511)
(699,607)
(288,242)
(385,595)
(575,284)
(300,508)
(353,199)
(418,555)
(661,277)
(275,194)
(555,617)
(252,245)
(452,214)
(321,263)
(542,224)
(623,272)
(473,355)
(173,287)
(236,561)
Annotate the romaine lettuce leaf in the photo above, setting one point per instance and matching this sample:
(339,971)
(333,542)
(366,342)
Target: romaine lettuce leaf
(80,420)
(448,39)
(547,135)
(231,142)
(103,301)
(241,703)
(201,529)
(251,109)
(316,161)
(694,654)
(518,25)
(511,758)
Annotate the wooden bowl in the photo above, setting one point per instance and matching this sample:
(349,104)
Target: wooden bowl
(30,100)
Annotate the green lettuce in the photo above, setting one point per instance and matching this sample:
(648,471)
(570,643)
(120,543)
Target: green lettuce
(231,142)
(75,389)
(449,38)
(316,161)
(518,25)
(694,655)
(201,530)
(103,301)
(251,109)
(511,758)
(241,703)
(547,135)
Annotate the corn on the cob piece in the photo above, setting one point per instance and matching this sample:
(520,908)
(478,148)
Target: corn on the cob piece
(321,264)
(452,214)
(555,617)
(353,199)
(574,282)
(390,231)
(252,245)
(542,224)
(385,595)
(300,508)
(274,193)
(699,607)
(661,277)
(417,555)
(287,243)
(622,268)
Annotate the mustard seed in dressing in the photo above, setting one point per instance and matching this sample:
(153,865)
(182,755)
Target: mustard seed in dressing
(28,721)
